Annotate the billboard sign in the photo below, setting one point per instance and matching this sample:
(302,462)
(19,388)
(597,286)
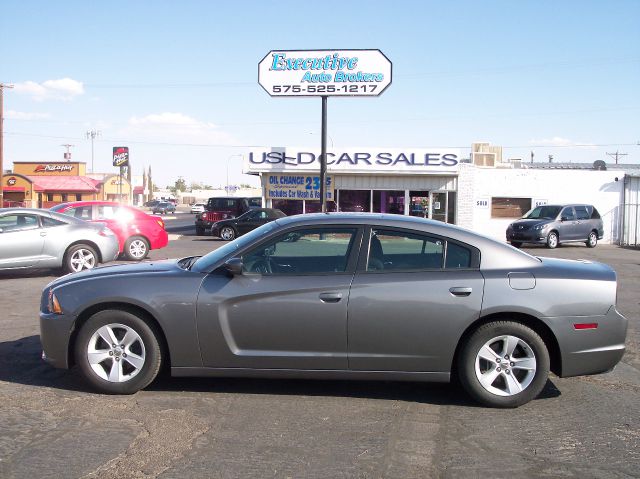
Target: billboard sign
(324,72)
(120,156)
(297,187)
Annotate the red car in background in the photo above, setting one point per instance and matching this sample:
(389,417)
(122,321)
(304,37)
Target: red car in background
(137,231)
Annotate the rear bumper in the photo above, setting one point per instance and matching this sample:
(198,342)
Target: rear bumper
(159,240)
(590,351)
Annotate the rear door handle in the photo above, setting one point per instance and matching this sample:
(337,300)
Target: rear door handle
(460,291)
(330,297)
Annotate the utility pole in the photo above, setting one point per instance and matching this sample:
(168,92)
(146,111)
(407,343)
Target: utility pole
(92,135)
(2,87)
(616,155)
(67,154)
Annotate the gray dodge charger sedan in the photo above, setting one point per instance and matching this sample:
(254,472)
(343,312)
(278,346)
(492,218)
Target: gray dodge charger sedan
(353,296)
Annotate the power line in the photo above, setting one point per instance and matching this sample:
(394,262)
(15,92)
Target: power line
(616,155)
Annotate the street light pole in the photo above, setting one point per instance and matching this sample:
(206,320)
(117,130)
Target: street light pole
(92,135)
(2,87)
(237,154)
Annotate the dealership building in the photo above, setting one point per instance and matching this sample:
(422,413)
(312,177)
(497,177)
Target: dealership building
(45,184)
(480,192)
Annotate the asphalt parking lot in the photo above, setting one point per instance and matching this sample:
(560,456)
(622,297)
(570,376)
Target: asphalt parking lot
(227,428)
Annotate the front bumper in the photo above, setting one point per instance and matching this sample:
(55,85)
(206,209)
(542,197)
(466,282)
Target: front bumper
(55,333)
(590,351)
(528,236)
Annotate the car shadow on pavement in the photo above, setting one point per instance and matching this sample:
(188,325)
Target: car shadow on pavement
(30,273)
(22,364)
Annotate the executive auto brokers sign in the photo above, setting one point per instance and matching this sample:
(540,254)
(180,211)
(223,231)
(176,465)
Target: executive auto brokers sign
(388,161)
(324,73)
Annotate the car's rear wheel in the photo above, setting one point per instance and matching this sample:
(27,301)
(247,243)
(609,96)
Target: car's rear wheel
(516,244)
(79,257)
(592,240)
(552,240)
(227,233)
(136,248)
(504,364)
(117,352)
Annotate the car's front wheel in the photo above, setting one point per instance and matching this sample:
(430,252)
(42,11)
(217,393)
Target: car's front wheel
(227,233)
(136,248)
(79,257)
(552,240)
(117,352)
(592,240)
(504,364)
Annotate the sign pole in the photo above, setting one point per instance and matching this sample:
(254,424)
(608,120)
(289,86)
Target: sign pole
(323,156)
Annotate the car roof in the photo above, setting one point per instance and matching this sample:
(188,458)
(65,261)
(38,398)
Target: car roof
(41,212)
(494,254)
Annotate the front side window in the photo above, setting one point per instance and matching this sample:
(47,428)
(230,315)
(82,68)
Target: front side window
(303,251)
(18,223)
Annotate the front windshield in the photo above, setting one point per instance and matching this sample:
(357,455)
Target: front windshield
(543,212)
(206,263)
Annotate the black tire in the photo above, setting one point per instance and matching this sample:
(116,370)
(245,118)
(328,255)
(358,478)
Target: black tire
(199,231)
(227,233)
(516,244)
(468,370)
(552,240)
(152,352)
(592,240)
(136,248)
(72,263)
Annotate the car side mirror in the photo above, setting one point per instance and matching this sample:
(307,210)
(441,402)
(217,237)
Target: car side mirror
(234,266)
(564,218)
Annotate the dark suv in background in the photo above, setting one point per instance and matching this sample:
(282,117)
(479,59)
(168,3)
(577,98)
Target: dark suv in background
(222,208)
(555,224)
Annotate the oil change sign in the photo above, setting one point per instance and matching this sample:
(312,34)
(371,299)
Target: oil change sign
(324,73)
(297,187)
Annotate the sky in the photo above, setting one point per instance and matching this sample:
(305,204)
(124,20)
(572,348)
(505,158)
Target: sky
(177,82)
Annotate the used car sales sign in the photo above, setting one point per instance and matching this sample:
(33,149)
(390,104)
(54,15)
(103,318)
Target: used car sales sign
(324,73)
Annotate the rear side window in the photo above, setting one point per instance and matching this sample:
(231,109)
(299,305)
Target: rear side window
(568,213)
(594,214)
(457,256)
(50,222)
(582,213)
(80,212)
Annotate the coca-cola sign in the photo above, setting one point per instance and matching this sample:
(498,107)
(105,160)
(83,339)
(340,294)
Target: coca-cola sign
(52,168)
(120,156)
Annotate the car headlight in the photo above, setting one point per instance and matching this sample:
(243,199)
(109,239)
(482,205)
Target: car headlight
(53,304)
(539,227)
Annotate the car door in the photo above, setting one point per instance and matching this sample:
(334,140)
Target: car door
(568,226)
(21,240)
(583,222)
(289,307)
(251,221)
(411,298)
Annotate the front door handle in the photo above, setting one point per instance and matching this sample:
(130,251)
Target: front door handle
(460,291)
(330,297)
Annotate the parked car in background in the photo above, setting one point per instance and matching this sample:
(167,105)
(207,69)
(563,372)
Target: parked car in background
(555,224)
(197,208)
(137,231)
(163,208)
(151,203)
(353,296)
(31,238)
(232,228)
(224,207)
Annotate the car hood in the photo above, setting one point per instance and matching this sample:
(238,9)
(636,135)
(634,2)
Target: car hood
(529,223)
(117,269)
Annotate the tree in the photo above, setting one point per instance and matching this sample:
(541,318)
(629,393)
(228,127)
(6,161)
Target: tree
(180,185)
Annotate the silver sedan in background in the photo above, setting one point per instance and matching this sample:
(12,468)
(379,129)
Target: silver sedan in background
(32,238)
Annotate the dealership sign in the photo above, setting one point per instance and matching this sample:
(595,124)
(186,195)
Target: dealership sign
(120,156)
(297,187)
(324,73)
(356,160)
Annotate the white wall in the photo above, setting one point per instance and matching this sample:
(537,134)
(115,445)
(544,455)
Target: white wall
(598,188)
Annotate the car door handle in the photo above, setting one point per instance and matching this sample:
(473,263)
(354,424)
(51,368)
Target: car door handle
(43,233)
(459,291)
(330,297)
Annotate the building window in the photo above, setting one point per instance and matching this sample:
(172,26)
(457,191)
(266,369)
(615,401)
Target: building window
(49,196)
(509,207)
(288,207)
(355,200)
(78,197)
(64,197)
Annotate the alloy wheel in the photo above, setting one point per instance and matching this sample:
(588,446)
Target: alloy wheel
(505,365)
(116,353)
(82,259)
(138,249)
